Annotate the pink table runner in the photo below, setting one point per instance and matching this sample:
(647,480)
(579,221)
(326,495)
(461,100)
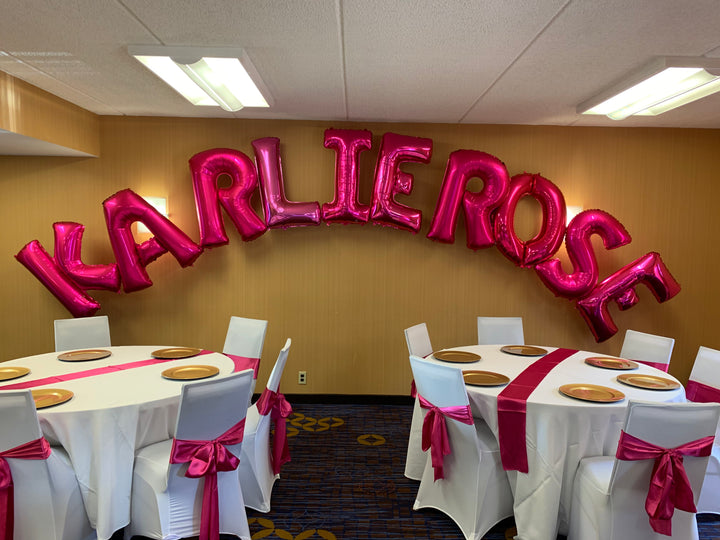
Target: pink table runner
(241,363)
(512,408)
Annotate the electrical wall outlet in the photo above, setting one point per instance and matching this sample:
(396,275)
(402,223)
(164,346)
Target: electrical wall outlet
(302,377)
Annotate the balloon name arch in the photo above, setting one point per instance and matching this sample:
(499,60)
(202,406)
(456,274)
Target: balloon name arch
(489,216)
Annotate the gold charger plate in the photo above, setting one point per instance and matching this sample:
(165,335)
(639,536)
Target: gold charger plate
(47,397)
(484,378)
(12,372)
(176,352)
(82,356)
(648,382)
(460,357)
(592,392)
(611,363)
(523,350)
(187,373)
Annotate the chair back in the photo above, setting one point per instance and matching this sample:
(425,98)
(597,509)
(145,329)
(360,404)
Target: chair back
(647,348)
(443,386)
(500,331)
(706,369)
(18,419)
(209,408)
(667,425)
(276,374)
(418,340)
(82,333)
(245,337)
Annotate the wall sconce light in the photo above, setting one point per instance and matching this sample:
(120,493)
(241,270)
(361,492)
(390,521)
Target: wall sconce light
(206,76)
(571,212)
(159,204)
(660,86)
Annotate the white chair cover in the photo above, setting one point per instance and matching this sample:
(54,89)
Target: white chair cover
(475,492)
(256,471)
(245,337)
(609,494)
(166,504)
(649,348)
(500,331)
(706,370)
(82,333)
(47,499)
(418,344)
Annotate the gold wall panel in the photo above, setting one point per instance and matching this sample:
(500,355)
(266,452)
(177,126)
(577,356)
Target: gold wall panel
(344,293)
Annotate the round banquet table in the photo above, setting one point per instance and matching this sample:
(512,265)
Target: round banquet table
(109,417)
(560,430)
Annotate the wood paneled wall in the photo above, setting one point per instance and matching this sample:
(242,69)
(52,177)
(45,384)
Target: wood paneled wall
(344,293)
(29,111)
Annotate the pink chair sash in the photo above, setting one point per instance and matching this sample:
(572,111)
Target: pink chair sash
(701,393)
(207,458)
(279,409)
(669,486)
(413,389)
(662,366)
(512,409)
(37,449)
(434,431)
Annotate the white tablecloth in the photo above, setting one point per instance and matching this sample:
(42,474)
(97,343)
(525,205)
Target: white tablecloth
(108,418)
(560,431)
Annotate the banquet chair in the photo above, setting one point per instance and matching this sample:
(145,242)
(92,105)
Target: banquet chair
(245,337)
(609,494)
(418,344)
(649,349)
(165,502)
(260,462)
(82,333)
(500,331)
(704,387)
(45,492)
(472,488)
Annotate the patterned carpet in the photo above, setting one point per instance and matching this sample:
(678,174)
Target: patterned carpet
(345,481)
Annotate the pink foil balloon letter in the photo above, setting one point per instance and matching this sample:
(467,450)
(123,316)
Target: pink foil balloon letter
(390,180)
(206,168)
(550,237)
(345,207)
(579,247)
(34,257)
(279,212)
(620,287)
(68,246)
(126,207)
(463,165)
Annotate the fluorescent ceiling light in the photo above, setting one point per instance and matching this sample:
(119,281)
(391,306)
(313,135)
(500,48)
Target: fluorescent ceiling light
(662,85)
(206,76)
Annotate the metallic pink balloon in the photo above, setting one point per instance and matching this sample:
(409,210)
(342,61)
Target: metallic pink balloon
(126,207)
(620,287)
(279,212)
(34,257)
(390,180)
(579,247)
(550,237)
(463,165)
(206,168)
(68,248)
(347,143)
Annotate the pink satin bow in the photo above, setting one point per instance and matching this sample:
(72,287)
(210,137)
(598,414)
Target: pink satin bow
(37,449)
(276,404)
(669,486)
(207,458)
(434,431)
(701,393)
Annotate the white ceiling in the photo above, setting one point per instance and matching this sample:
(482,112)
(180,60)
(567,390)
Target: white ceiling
(452,61)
